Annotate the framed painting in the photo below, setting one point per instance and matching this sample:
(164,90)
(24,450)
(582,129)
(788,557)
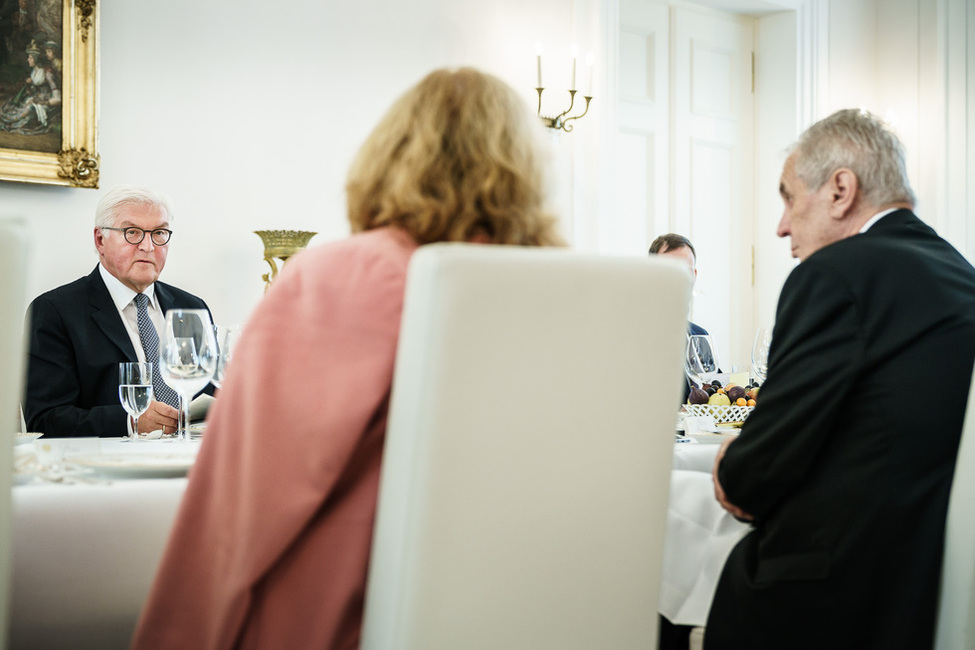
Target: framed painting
(49,92)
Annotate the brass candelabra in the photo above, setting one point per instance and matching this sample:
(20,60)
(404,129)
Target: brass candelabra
(561,121)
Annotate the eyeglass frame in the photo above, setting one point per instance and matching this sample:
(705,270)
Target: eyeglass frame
(124,231)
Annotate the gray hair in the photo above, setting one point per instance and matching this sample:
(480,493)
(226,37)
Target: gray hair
(106,214)
(861,142)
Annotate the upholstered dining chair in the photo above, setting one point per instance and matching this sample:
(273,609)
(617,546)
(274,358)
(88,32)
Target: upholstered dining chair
(525,476)
(956,601)
(13,303)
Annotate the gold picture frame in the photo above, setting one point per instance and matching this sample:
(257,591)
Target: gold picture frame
(30,150)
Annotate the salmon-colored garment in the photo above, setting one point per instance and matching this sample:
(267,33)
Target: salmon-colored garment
(271,543)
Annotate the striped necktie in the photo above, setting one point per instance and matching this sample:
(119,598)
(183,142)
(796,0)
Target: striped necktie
(150,344)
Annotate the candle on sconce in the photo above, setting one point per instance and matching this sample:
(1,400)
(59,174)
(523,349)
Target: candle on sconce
(575,55)
(590,59)
(538,58)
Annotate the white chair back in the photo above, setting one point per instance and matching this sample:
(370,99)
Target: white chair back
(13,303)
(956,601)
(525,476)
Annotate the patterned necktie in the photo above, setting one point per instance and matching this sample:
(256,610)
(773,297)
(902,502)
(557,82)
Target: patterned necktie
(150,344)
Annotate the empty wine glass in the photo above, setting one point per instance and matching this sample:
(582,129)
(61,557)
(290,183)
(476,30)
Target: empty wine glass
(227,336)
(135,390)
(700,364)
(188,358)
(763,337)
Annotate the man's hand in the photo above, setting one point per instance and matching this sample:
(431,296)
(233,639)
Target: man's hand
(159,415)
(719,494)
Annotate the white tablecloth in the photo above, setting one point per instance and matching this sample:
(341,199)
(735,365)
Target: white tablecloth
(700,535)
(85,554)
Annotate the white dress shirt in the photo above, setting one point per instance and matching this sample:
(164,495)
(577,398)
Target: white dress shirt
(124,297)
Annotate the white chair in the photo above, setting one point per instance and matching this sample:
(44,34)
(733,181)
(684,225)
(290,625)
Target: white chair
(956,601)
(13,303)
(525,477)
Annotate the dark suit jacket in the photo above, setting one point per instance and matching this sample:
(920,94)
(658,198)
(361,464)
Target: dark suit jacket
(77,340)
(847,462)
(692,329)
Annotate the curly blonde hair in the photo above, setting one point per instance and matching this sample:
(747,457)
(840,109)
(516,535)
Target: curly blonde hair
(456,158)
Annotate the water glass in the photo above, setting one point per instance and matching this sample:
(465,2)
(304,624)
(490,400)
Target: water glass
(135,390)
(763,338)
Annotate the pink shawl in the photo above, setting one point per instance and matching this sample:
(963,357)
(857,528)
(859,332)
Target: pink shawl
(271,543)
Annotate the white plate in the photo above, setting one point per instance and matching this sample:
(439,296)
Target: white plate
(713,438)
(22,478)
(24,438)
(137,465)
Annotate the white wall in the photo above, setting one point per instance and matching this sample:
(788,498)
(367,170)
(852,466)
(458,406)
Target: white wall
(912,62)
(773,69)
(248,114)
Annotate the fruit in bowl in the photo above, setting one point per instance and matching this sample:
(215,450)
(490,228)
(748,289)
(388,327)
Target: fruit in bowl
(730,403)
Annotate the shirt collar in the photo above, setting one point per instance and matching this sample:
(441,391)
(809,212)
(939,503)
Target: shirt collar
(877,217)
(121,294)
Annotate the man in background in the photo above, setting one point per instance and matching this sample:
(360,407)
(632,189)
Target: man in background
(678,247)
(845,467)
(81,331)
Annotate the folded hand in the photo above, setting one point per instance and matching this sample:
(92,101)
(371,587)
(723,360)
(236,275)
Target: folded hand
(159,415)
(719,494)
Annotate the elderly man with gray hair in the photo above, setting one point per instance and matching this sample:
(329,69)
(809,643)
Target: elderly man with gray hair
(81,331)
(845,466)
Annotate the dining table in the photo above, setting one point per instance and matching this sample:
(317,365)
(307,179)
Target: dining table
(90,527)
(90,521)
(700,533)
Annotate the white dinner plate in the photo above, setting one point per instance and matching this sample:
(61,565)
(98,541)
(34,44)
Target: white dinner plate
(22,478)
(24,438)
(137,465)
(713,438)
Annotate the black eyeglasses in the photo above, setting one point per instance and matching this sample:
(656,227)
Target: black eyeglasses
(133,235)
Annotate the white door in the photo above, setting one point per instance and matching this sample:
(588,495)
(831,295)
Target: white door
(714,170)
(685,153)
(643,143)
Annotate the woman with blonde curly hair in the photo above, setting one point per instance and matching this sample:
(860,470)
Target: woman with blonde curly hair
(271,544)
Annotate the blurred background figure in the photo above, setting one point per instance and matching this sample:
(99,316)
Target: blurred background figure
(679,247)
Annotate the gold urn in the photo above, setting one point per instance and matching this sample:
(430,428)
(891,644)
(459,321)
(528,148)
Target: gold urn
(281,244)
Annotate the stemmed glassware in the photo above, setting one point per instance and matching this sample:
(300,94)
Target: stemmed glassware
(188,357)
(700,364)
(227,336)
(135,390)
(763,337)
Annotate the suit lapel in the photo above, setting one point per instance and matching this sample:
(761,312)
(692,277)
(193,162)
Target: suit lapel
(164,297)
(106,316)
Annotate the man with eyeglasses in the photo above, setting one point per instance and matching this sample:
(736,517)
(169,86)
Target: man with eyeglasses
(81,331)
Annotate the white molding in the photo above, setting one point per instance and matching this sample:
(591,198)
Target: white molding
(967,239)
(955,186)
(812,53)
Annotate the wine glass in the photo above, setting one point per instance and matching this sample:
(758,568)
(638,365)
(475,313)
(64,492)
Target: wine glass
(135,390)
(226,336)
(188,358)
(700,364)
(763,337)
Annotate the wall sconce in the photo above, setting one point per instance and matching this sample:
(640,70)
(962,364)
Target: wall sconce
(281,244)
(561,121)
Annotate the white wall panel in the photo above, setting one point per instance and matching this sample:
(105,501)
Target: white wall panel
(715,80)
